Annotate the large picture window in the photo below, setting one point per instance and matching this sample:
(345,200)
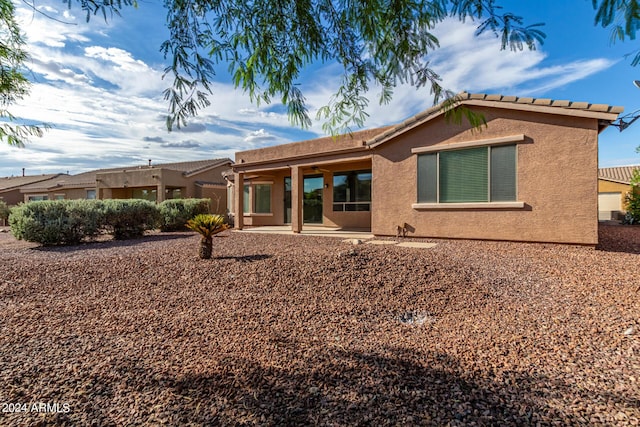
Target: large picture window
(352,191)
(262,194)
(479,174)
(257,198)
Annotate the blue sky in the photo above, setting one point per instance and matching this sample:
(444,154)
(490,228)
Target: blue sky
(99,85)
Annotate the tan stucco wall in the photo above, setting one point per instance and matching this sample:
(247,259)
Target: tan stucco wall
(67,193)
(304,148)
(12,197)
(218,196)
(556,172)
(120,184)
(330,218)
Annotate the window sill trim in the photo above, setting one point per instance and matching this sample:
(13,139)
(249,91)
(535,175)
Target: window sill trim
(257,214)
(475,205)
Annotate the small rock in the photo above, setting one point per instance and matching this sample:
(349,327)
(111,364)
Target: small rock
(629,331)
(313,390)
(353,241)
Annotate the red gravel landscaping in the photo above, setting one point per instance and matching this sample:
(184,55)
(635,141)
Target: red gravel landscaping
(300,330)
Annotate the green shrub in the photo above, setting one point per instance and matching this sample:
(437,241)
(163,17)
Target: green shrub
(56,222)
(175,213)
(208,226)
(633,200)
(129,218)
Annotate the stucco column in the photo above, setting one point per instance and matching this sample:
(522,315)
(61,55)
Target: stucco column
(160,192)
(238,200)
(99,190)
(297,194)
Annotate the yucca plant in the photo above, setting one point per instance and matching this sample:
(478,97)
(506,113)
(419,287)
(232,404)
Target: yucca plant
(208,226)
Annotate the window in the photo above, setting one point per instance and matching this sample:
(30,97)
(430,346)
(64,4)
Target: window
(58,197)
(262,194)
(172,193)
(91,194)
(247,199)
(145,194)
(352,191)
(37,198)
(480,174)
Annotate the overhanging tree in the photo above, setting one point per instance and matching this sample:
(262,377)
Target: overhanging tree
(13,83)
(266,44)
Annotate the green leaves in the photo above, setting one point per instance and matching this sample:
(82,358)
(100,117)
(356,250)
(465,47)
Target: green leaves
(207,225)
(623,17)
(267,43)
(14,86)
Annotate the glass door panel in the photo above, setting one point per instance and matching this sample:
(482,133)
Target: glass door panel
(287,200)
(312,202)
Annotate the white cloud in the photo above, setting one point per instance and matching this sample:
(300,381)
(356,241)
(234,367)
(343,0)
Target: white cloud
(106,105)
(259,135)
(181,144)
(465,61)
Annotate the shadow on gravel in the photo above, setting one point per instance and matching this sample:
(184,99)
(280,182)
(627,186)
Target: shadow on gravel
(619,238)
(108,244)
(331,387)
(246,258)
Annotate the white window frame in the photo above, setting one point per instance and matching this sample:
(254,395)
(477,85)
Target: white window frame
(506,140)
(30,196)
(251,211)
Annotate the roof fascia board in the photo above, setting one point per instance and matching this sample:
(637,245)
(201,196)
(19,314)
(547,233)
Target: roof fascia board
(537,108)
(473,143)
(617,181)
(244,167)
(432,113)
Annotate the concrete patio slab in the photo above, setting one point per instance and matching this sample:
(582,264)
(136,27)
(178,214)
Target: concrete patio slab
(381,242)
(310,231)
(424,245)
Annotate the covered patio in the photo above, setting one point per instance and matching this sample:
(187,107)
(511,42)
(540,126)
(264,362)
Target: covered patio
(321,186)
(310,230)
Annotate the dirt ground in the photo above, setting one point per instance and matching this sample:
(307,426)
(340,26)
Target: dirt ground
(301,330)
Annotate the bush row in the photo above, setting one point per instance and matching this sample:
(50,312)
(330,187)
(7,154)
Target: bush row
(68,222)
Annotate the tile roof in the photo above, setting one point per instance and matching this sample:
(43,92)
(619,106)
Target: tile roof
(88,179)
(7,183)
(599,111)
(600,108)
(621,174)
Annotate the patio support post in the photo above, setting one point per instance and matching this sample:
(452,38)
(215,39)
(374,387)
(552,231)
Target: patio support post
(297,193)
(160,192)
(238,189)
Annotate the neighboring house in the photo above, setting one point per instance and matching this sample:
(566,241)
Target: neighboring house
(10,186)
(530,175)
(613,185)
(202,178)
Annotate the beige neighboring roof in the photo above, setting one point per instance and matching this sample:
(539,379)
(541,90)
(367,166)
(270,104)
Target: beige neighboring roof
(620,174)
(8,183)
(88,179)
(82,180)
(187,168)
(602,112)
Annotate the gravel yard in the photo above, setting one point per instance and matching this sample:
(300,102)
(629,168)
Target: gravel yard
(300,330)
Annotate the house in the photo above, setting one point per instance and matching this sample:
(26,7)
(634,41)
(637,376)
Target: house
(613,185)
(202,179)
(530,175)
(10,186)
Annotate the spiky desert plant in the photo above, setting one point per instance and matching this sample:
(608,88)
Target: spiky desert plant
(208,226)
